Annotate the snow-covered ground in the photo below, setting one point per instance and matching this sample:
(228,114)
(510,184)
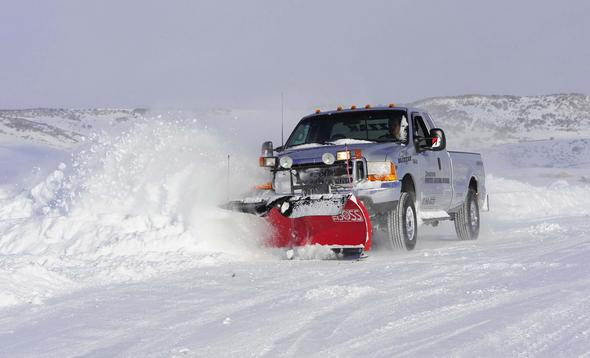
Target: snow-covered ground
(112,245)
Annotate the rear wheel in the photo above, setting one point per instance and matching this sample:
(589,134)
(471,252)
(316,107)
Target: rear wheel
(467,219)
(401,225)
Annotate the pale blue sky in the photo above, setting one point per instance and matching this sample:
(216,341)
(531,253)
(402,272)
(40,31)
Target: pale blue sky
(190,54)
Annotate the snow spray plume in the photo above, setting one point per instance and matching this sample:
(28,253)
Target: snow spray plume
(154,187)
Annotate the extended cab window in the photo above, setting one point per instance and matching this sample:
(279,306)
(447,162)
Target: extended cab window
(420,129)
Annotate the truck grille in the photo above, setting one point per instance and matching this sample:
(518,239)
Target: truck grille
(319,178)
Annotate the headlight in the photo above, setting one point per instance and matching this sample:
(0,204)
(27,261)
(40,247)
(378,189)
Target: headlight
(286,162)
(343,155)
(381,171)
(347,154)
(328,158)
(267,162)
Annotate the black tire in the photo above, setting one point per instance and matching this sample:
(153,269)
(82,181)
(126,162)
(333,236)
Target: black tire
(401,225)
(467,219)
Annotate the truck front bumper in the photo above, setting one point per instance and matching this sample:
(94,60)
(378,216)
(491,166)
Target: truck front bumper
(378,197)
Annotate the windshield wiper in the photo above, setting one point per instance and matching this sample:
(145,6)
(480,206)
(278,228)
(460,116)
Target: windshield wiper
(297,145)
(365,141)
(389,140)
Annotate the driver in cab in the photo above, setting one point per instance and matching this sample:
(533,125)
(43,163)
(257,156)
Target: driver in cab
(398,129)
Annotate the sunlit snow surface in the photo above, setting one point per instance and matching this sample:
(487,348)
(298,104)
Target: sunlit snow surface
(116,247)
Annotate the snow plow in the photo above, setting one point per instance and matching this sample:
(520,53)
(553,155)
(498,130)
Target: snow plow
(338,221)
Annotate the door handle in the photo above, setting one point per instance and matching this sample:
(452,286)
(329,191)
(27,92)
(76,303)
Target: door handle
(439,166)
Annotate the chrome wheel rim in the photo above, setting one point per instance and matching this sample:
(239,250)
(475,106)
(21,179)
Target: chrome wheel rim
(410,224)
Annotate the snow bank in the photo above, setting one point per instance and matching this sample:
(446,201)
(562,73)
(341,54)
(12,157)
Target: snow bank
(516,200)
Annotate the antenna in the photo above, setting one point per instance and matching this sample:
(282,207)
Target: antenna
(228,172)
(282,119)
(347,167)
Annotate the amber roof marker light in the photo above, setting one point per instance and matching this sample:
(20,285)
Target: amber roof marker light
(353,106)
(339,108)
(391,105)
(318,110)
(367,106)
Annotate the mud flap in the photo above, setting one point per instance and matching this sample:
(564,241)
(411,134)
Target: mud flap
(486,204)
(341,223)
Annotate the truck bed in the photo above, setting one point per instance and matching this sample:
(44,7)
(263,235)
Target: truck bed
(464,166)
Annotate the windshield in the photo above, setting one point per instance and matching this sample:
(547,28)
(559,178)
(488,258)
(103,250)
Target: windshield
(361,126)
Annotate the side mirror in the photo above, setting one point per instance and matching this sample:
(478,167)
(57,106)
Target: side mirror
(439,141)
(267,150)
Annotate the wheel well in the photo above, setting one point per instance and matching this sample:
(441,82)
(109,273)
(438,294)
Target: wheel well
(408,184)
(473,184)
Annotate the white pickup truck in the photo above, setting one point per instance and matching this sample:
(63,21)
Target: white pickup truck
(393,160)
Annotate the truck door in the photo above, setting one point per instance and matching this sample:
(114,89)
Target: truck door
(428,166)
(436,178)
(445,188)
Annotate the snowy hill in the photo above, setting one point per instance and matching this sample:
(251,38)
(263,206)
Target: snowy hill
(510,118)
(472,118)
(60,127)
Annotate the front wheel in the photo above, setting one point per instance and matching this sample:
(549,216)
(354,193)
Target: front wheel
(467,218)
(401,224)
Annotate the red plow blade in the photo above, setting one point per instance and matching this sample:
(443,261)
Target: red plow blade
(350,228)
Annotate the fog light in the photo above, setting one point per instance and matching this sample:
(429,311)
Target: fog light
(286,162)
(328,158)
